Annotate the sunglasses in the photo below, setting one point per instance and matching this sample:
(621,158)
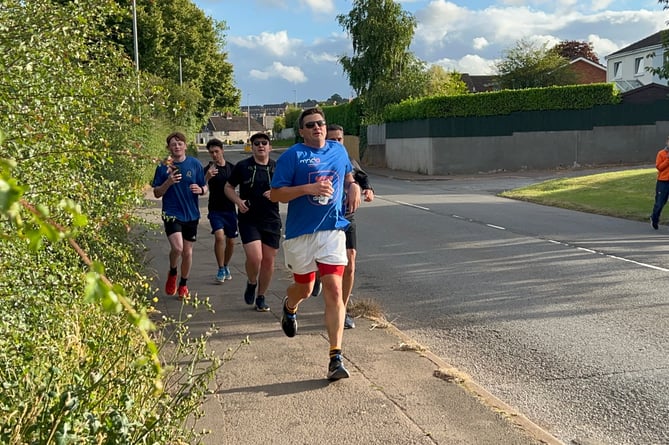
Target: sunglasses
(259,143)
(312,124)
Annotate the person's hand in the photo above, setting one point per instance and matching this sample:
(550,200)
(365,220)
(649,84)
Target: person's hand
(322,188)
(196,189)
(242,206)
(213,171)
(353,197)
(368,194)
(267,194)
(174,175)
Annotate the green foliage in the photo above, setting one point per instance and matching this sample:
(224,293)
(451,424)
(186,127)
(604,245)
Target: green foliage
(180,44)
(381,66)
(348,115)
(279,125)
(79,361)
(504,102)
(443,83)
(529,65)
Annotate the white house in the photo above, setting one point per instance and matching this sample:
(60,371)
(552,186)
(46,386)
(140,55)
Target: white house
(627,66)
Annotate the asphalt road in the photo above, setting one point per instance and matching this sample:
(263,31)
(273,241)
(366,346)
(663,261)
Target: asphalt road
(562,314)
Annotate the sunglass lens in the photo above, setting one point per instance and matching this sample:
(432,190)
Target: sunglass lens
(312,124)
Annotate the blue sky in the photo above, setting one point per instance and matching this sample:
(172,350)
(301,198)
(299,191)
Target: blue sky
(283,50)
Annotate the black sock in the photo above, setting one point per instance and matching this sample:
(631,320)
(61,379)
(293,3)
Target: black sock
(182,281)
(173,271)
(334,351)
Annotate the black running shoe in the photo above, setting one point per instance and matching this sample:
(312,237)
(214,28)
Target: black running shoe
(336,369)
(288,321)
(261,306)
(349,323)
(250,293)
(318,287)
(653,224)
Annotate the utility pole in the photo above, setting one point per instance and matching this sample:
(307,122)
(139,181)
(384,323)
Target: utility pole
(248,113)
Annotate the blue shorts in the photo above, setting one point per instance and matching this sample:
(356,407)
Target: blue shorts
(224,220)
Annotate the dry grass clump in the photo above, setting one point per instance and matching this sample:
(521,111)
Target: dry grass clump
(367,308)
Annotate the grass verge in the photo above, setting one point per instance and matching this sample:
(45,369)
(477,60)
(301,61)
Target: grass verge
(625,194)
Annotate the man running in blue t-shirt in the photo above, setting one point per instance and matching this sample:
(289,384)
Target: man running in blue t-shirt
(312,178)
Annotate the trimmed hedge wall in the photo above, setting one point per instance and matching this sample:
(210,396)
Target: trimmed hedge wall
(348,115)
(503,102)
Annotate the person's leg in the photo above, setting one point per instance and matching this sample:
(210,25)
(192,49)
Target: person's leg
(335,311)
(186,259)
(176,248)
(220,247)
(266,268)
(175,239)
(231,232)
(349,276)
(229,250)
(661,195)
(253,251)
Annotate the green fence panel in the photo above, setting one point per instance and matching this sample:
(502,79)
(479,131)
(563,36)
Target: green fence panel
(531,121)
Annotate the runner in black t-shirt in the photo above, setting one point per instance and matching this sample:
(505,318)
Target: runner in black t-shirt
(259,219)
(222,216)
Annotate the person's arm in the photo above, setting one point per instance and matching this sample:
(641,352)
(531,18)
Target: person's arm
(662,160)
(288,193)
(232,195)
(362,178)
(352,190)
(172,178)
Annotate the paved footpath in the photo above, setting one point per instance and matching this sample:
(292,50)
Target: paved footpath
(274,390)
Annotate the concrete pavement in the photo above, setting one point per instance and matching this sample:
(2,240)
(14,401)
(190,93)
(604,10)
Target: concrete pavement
(273,390)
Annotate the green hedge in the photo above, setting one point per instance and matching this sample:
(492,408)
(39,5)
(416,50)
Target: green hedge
(348,115)
(504,102)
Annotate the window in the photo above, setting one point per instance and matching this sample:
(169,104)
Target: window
(618,70)
(638,66)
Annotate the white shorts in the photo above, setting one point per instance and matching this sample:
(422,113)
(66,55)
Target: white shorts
(325,246)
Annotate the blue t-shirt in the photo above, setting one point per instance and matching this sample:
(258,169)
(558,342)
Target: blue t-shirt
(179,201)
(300,165)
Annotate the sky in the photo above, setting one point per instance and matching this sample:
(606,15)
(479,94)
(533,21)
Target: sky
(287,50)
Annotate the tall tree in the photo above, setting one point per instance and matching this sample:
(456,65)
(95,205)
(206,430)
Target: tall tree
(180,44)
(663,70)
(381,33)
(530,65)
(573,49)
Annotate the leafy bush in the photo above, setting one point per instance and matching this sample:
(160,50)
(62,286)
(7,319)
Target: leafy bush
(504,102)
(80,361)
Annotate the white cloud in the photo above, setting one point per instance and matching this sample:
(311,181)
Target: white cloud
(277,44)
(326,7)
(322,57)
(293,74)
(479,42)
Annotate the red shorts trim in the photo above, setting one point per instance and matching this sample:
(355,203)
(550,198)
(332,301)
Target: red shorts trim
(327,269)
(304,278)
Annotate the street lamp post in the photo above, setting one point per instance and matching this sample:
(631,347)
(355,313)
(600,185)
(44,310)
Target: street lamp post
(248,114)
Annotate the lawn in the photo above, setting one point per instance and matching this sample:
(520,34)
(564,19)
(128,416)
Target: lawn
(626,194)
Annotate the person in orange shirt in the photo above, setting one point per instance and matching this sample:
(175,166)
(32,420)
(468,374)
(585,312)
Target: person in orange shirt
(662,184)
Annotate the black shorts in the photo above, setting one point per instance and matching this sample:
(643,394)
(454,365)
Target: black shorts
(351,238)
(249,233)
(188,229)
